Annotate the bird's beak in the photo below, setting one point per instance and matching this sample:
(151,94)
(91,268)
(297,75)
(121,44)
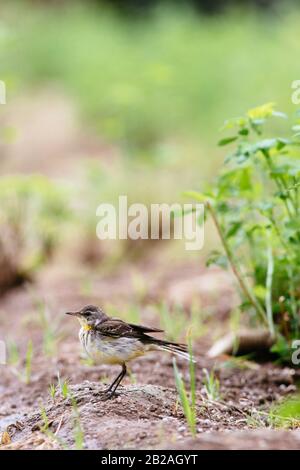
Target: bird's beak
(75,314)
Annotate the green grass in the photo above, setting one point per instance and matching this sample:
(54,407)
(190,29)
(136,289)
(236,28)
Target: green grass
(211,385)
(287,413)
(187,400)
(174,75)
(63,386)
(178,324)
(21,367)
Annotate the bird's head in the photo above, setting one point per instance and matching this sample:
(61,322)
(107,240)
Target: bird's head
(89,316)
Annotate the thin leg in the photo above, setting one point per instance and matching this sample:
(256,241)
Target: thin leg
(117,379)
(111,390)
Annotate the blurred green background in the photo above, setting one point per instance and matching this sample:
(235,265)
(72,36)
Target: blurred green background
(150,86)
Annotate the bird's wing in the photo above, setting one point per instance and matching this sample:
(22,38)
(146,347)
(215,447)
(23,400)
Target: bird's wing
(145,329)
(116,328)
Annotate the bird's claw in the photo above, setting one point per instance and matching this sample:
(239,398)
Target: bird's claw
(105,395)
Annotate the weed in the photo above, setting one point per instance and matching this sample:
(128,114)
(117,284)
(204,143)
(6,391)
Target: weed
(176,322)
(286,414)
(52,390)
(63,386)
(50,326)
(23,372)
(255,206)
(188,403)
(32,216)
(211,385)
(45,429)
(28,362)
(77,429)
(130,313)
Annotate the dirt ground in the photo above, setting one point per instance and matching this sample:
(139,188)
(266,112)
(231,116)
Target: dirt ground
(146,413)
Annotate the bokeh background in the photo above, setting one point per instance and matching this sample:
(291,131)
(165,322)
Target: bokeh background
(128,97)
(124,97)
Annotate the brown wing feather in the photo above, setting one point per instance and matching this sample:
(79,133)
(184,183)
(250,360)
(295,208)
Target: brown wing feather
(116,328)
(145,329)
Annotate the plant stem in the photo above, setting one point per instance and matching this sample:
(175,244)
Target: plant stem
(280,184)
(248,294)
(269,281)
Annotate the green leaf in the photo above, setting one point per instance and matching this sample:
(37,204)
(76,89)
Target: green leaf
(244,131)
(217,259)
(232,231)
(227,140)
(201,197)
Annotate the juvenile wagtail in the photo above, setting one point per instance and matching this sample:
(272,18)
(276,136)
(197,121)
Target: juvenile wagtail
(112,341)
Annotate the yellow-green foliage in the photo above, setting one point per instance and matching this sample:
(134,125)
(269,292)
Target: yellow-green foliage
(33,210)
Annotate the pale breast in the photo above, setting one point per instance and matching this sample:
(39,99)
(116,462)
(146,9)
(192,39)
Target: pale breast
(105,350)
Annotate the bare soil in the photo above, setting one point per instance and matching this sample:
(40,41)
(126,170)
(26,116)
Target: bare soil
(146,413)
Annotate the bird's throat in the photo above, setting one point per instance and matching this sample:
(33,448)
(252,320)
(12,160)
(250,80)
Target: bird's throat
(87,327)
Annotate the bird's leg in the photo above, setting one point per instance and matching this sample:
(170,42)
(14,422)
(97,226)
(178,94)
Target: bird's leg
(111,390)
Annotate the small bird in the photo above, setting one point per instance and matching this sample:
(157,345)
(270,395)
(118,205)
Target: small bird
(112,341)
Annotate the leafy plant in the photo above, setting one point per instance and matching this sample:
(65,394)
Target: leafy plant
(188,403)
(255,206)
(32,210)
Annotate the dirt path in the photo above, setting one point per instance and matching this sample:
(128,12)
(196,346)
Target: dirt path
(146,414)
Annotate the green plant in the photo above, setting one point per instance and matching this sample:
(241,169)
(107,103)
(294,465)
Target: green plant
(77,428)
(286,414)
(31,213)
(188,403)
(45,429)
(255,207)
(148,99)
(211,385)
(130,312)
(173,320)
(23,372)
(28,362)
(52,390)
(78,434)
(50,326)
(63,386)
(176,322)
(13,354)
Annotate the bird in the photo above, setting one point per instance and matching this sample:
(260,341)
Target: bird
(108,340)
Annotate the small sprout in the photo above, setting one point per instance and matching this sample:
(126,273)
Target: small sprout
(52,390)
(211,385)
(63,386)
(188,403)
(23,372)
(286,413)
(28,363)
(77,428)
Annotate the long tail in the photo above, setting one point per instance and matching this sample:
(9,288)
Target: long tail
(179,349)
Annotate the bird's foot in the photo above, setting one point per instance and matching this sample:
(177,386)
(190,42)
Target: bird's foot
(107,394)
